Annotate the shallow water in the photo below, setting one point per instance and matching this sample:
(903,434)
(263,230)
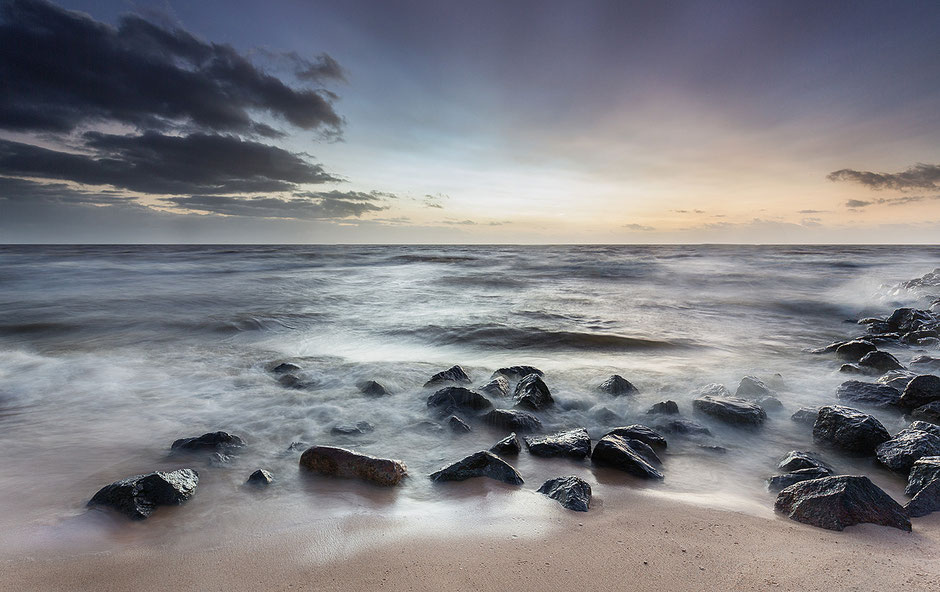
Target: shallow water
(108,354)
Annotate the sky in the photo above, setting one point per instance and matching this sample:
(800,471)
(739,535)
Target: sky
(483,122)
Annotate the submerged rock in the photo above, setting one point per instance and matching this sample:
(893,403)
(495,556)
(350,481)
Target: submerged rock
(511,419)
(571,443)
(778,482)
(925,470)
(868,393)
(285,367)
(457,425)
(798,459)
(641,433)
(664,408)
(927,363)
(373,389)
(357,429)
(458,397)
(880,361)
(849,429)
(853,351)
(508,446)
(684,427)
(730,410)
(616,452)
(137,497)
(925,501)
(260,477)
(837,502)
(571,492)
(805,415)
(929,412)
(498,387)
(617,386)
(910,445)
(452,374)
(341,462)
(480,464)
(516,372)
(753,387)
(920,391)
(222,442)
(532,393)
(605,416)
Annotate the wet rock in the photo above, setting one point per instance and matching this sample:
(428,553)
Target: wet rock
(571,443)
(137,497)
(730,410)
(922,337)
(925,501)
(664,408)
(925,470)
(480,464)
(905,320)
(222,442)
(498,387)
(713,390)
(829,348)
(606,416)
(458,397)
(371,388)
(532,393)
(452,374)
(868,393)
(645,451)
(571,492)
(508,446)
(357,429)
(615,451)
(805,415)
(929,413)
(798,459)
(853,369)
(925,364)
(617,386)
(849,429)
(837,502)
(457,425)
(920,391)
(880,361)
(260,477)
(853,351)
(292,381)
(925,427)
(285,367)
(909,445)
(898,379)
(769,403)
(341,462)
(685,427)
(517,372)
(511,419)
(752,387)
(641,433)
(778,482)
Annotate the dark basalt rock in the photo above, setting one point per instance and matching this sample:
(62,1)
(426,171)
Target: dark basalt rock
(571,492)
(452,374)
(685,427)
(880,361)
(853,369)
(910,445)
(457,425)
(868,393)
(921,337)
(516,372)
(222,442)
(341,462)
(730,410)
(752,387)
(925,501)
(853,351)
(925,470)
(480,464)
(837,502)
(137,497)
(285,367)
(617,386)
(898,379)
(615,451)
(849,429)
(927,363)
(644,450)
(805,415)
(373,389)
(925,427)
(571,443)
(260,478)
(798,459)
(664,408)
(532,393)
(357,429)
(929,413)
(778,482)
(508,446)
(641,433)
(905,320)
(498,387)
(458,397)
(511,419)
(921,390)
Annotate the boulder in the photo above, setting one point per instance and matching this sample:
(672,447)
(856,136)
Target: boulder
(714,390)
(925,363)
(511,419)
(868,393)
(849,429)
(909,445)
(517,372)
(340,462)
(921,337)
(769,403)
(752,387)
(357,429)
(778,482)
(925,470)
(853,351)
(284,368)
(925,427)
(450,398)
(571,492)
(905,320)
(508,446)
(664,408)
(644,450)
(837,502)
(606,416)
(571,443)
(880,361)
(371,388)
(480,464)
(929,413)
(641,433)
(925,501)
(137,497)
(498,387)
(457,425)
(685,427)
(805,415)
(798,459)
(921,390)
(532,393)
(730,410)
(617,386)
(615,451)
(452,374)
(222,442)
(260,478)
(898,379)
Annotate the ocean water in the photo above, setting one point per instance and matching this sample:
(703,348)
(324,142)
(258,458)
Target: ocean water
(109,353)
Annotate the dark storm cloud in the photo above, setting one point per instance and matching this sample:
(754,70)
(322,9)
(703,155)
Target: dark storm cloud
(24,190)
(307,206)
(62,69)
(160,164)
(919,176)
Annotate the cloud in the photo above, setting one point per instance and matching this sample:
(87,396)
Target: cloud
(434,201)
(62,69)
(23,190)
(857,203)
(890,201)
(811,211)
(638,227)
(919,176)
(304,206)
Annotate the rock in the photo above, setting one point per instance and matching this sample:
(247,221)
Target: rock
(516,372)
(713,390)
(297,447)
(778,482)
(805,415)
(452,374)
(571,443)
(617,386)
(664,408)
(929,413)
(292,381)
(925,363)
(853,351)
(852,369)
(615,451)
(373,389)
(868,393)
(641,433)
(909,445)
(925,427)
(925,470)
(905,320)
(285,367)
(828,349)
(685,427)
(498,387)
(880,361)
(532,393)
(341,462)
(730,410)
(922,337)
(137,497)
(921,390)
(457,425)
(837,502)
(925,501)
(511,419)
(606,416)
(752,387)
(645,451)
(357,429)
(212,442)
(508,446)
(769,403)
(798,459)
(898,379)
(260,477)
(458,397)
(480,464)
(571,492)
(849,429)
